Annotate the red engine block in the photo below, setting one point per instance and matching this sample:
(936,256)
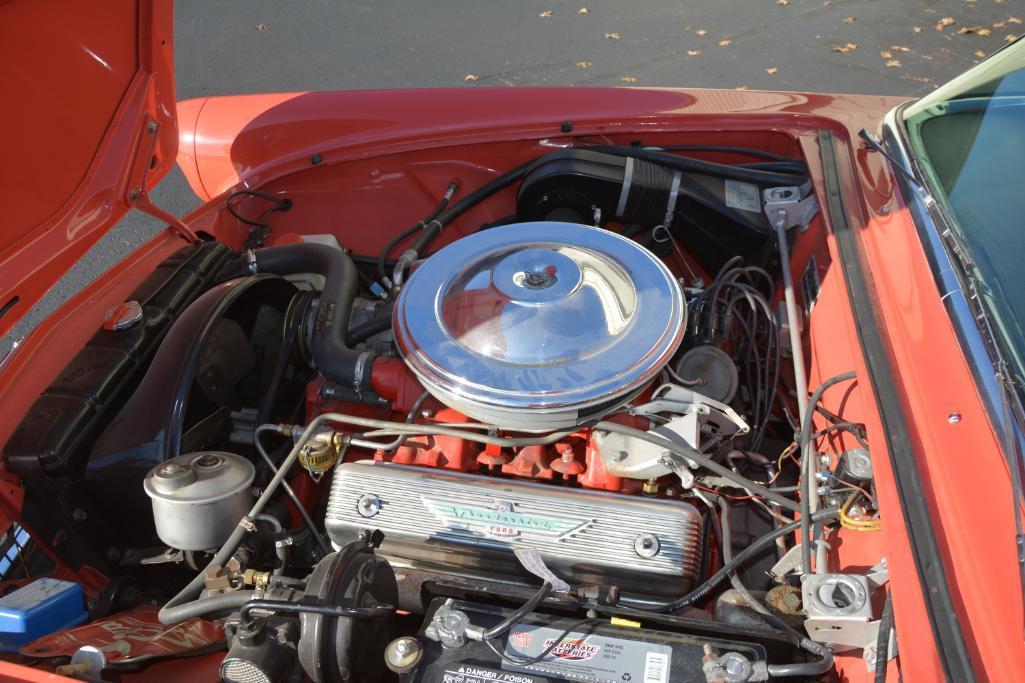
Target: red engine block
(572,461)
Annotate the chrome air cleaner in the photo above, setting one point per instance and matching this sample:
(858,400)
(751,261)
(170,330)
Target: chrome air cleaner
(538,326)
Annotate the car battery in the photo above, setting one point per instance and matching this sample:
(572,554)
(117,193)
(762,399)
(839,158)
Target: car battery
(597,651)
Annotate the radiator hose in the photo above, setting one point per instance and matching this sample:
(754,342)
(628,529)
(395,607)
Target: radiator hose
(342,365)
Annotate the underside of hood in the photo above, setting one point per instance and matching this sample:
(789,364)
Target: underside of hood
(90,128)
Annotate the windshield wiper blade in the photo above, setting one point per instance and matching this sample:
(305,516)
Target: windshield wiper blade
(1008,393)
(876,145)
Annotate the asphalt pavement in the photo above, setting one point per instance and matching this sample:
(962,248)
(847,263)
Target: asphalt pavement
(884,47)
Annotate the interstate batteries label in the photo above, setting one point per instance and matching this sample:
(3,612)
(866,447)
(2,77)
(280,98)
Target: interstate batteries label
(592,658)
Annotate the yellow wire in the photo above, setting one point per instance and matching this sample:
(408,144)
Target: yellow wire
(849,522)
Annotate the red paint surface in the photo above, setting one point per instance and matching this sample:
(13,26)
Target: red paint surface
(387,156)
(81,87)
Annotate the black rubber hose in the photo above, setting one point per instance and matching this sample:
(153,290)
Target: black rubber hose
(883,639)
(529,606)
(280,548)
(739,559)
(692,165)
(453,187)
(223,602)
(804,669)
(806,483)
(435,226)
(245,614)
(333,357)
(364,331)
(394,242)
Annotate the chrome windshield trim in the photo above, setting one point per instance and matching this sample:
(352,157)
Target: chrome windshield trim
(945,274)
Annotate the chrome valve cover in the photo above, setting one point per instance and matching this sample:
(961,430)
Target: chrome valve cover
(536,326)
(464,524)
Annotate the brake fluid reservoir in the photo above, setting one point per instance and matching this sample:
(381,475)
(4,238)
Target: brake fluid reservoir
(199,498)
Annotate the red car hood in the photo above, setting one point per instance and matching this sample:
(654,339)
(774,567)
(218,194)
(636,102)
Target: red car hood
(91,127)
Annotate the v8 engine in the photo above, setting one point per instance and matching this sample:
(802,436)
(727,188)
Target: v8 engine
(560,434)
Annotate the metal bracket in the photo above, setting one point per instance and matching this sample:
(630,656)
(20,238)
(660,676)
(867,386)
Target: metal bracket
(839,610)
(790,562)
(785,204)
(632,458)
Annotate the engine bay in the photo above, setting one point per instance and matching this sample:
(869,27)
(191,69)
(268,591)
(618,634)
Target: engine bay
(559,428)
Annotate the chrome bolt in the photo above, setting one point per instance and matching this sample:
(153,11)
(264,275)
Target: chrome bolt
(954,418)
(647,545)
(884,209)
(619,456)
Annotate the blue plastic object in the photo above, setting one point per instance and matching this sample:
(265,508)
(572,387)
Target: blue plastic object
(39,609)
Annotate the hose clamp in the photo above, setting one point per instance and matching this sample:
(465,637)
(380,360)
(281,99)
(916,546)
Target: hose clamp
(362,363)
(251,262)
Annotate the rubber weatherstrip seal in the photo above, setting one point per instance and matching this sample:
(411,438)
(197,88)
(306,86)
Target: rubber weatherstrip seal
(946,628)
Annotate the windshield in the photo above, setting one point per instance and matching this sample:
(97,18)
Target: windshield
(968,137)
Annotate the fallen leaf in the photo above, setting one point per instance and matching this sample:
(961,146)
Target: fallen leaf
(771,70)
(701,32)
(845,48)
(783,2)
(583,10)
(886,54)
(1000,24)
(724,42)
(261,27)
(741,87)
(584,64)
(1013,20)
(918,29)
(900,48)
(979,53)
(545,14)
(983,31)
(827,3)
(974,29)
(944,22)
(849,20)
(628,79)
(472,77)
(1010,37)
(893,62)
(693,53)
(612,36)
